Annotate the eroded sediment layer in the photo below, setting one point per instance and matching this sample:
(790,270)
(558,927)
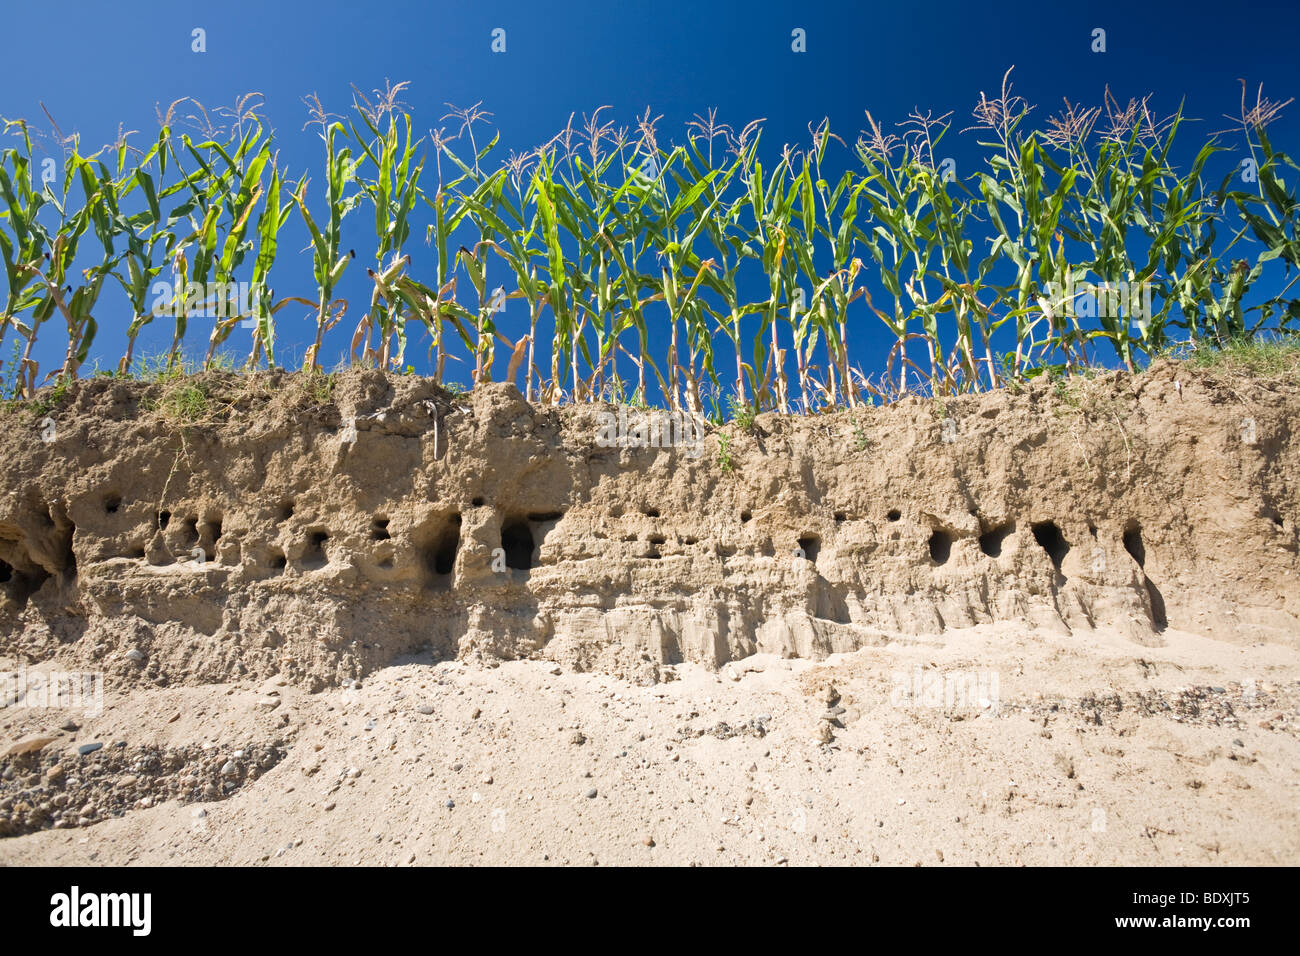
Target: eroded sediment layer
(319,535)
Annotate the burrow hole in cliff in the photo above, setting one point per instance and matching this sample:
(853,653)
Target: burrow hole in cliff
(656,541)
(437,544)
(314,556)
(478,501)
(894,514)
(112,501)
(840,517)
(66,530)
(379,528)
(19,583)
(940,546)
(283,511)
(210,534)
(164,519)
(745,516)
(195,536)
(1050,539)
(1133,543)
(277,560)
(650,512)
(991,540)
(810,545)
(517,543)
(19,586)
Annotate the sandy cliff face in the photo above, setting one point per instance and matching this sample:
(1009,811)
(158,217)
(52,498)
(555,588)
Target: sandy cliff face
(276,528)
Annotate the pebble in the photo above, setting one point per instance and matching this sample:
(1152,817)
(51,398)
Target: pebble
(89,748)
(425,709)
(229,768)
(29,745)
(135,654)
(591,794)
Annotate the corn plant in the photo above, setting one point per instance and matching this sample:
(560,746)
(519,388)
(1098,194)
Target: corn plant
(638,263)
(27,246)
(392,190)
(42,280)
(328,259)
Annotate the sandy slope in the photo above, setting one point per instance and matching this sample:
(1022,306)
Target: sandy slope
(729,767)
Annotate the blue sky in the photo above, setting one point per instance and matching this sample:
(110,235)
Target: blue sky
(96,65)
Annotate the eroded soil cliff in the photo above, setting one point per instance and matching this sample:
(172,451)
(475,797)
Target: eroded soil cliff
(225,528)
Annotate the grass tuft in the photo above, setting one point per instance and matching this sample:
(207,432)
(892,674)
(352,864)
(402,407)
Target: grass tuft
(1271,357)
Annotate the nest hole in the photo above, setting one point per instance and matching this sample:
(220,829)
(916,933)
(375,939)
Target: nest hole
(315,556)
(1050,539)
(992,539)
(439,554)
(212,529)
(517,543)
(1133,544)
(940,546)
(18,584)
